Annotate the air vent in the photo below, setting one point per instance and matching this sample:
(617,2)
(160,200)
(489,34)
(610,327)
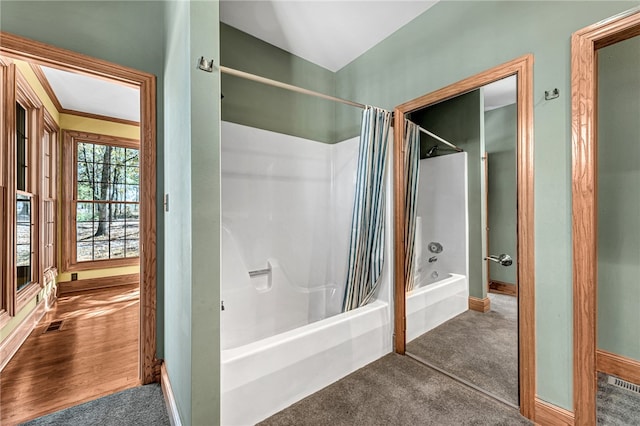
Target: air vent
(53,326)
(624,384)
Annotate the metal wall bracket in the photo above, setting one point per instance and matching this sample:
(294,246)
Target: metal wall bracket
(549,95)
(205,64)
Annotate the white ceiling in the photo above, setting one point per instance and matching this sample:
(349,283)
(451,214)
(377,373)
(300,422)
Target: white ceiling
(328,33)
(93,95)
(500,93)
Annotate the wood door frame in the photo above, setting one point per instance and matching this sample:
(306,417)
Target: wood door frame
(523,68)
(44,54)
(584,44)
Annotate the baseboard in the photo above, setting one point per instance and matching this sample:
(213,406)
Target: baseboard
(97,283)
(169,399)
(500,287)
(17,337)
(551,415)
(616,365)
(479,305)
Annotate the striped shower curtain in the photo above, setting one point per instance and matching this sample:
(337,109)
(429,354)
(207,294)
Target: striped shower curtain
(411,175)
(366,249)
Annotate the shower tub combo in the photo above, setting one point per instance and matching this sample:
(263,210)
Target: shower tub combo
(286,221)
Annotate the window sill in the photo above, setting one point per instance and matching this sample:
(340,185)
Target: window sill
(26,294)
(103,264)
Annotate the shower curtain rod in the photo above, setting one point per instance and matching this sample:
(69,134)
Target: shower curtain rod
(291,87)
(433,135)
(297,89)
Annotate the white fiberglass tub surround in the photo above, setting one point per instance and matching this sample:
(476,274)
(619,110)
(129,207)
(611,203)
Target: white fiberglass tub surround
(441,289)
(429,306)
(286,206)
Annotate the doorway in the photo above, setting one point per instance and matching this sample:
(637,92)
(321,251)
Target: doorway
(143,240)
(522,68)
(589,247)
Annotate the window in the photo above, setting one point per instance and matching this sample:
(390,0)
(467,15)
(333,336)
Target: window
(49,195)
(104,200)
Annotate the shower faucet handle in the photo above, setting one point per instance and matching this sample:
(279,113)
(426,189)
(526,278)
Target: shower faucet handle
(433,259)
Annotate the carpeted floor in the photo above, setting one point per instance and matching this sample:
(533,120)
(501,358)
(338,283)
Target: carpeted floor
(396,390)
(616,406)
(140,406)
(479,348)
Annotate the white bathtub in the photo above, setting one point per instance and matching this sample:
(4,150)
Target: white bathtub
(261,378)
(431,305)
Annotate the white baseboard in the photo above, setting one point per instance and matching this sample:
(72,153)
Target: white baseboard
(169,399)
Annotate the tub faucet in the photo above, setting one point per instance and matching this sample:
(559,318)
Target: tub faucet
(433,259)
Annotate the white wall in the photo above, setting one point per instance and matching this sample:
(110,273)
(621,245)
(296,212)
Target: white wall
(442,209)
(287,204)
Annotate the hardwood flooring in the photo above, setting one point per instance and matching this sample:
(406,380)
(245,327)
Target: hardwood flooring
(94,353)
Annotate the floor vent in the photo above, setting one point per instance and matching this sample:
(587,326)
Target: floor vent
(53,326)
(624,384)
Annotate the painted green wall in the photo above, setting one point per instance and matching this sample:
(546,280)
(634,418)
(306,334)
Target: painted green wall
(500,138)
(178,226)
(458,121)
(192,128)
(124,32)
(456,39)
(619,198)
(265,107)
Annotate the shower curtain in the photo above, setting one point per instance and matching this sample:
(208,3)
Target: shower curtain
(366,248)
(411,175)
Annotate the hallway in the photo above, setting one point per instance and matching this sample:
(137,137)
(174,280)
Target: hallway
(94,353)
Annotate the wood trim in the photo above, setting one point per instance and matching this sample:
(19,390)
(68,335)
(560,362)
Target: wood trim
(97,283)
(617,365)
(41,53)
(584,44)
(70,138)
(552,415)
(44,82)
(99,117)
(13,341)
(9,144)
(523,68)
(500,287)
(169,398)
(399,214)
(479,305)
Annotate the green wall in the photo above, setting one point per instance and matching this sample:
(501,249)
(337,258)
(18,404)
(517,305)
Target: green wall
(124,32)
(192,128)
(619,198)
(456,39)
(458,120)
(270,108)
(500,138)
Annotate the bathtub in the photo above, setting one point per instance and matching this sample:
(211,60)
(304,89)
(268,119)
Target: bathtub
(263,377)
(430,305)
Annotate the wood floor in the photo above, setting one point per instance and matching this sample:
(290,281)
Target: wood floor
(95,353)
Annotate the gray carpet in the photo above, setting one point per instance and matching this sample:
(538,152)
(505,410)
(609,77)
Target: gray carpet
(479,348)
(396,390)
(616,406)
(140,406)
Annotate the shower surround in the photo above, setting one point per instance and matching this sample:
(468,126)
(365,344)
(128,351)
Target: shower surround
(287,204)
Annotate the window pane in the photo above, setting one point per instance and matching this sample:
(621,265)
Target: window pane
(132,157)
(23,240)
(84,251)
(21,148)
(108,175)
(133,248)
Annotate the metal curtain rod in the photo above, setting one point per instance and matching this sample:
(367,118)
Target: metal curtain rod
(433,135)
(291,87)
(297,89)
